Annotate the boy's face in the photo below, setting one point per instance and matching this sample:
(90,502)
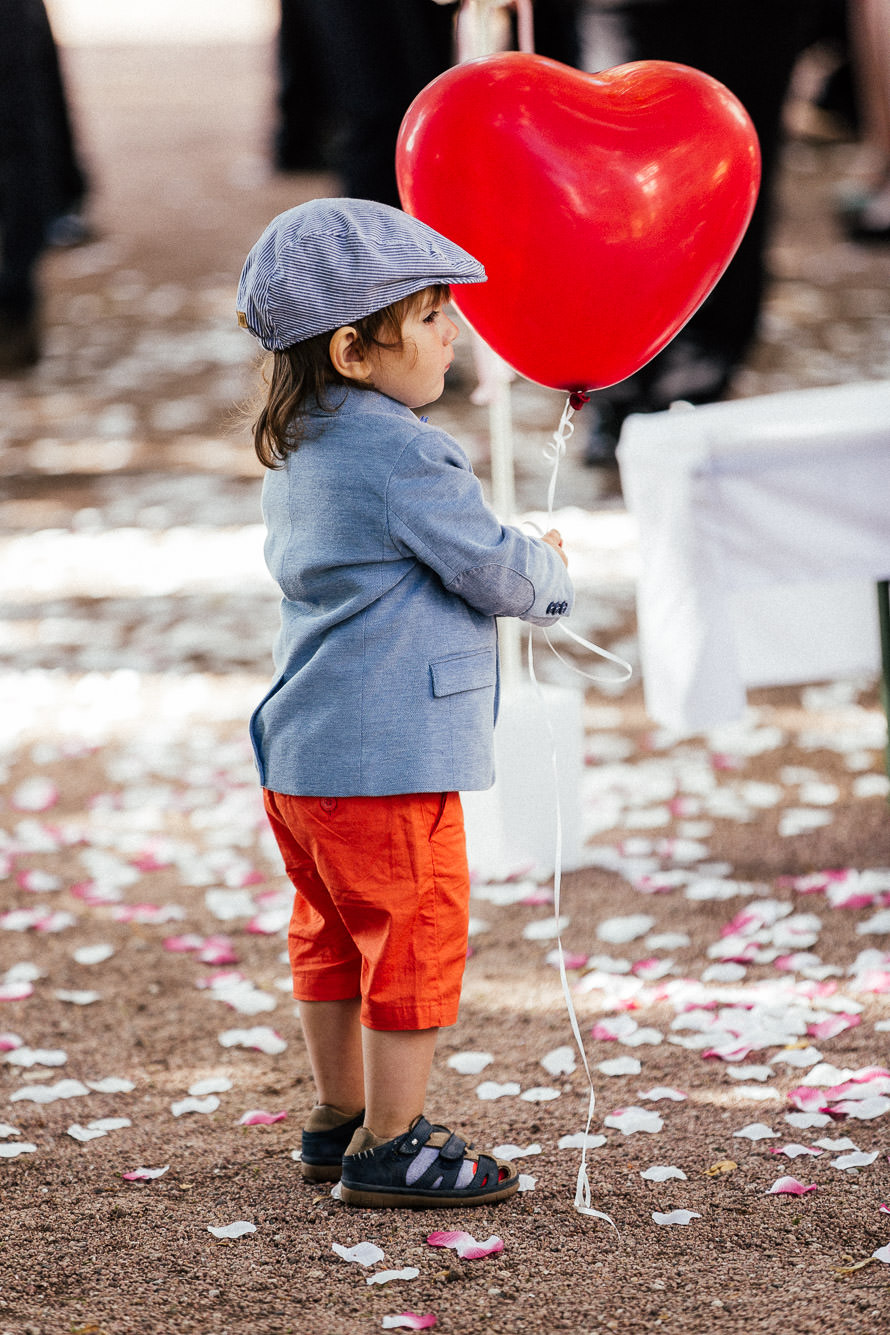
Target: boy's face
(415,373)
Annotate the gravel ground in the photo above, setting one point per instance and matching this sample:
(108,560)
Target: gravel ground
(727,937)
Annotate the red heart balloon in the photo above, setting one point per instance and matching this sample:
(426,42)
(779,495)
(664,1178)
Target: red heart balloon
(603,206)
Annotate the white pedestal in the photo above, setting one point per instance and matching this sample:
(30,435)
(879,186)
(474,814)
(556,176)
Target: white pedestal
(511,828)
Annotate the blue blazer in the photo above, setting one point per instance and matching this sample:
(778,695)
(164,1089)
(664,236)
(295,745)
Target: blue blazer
(393,569)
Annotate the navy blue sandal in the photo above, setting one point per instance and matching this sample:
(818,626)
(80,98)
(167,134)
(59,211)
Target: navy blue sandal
(390,1174)
(323,1145)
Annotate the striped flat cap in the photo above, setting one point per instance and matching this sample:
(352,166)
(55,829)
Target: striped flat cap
(332,261)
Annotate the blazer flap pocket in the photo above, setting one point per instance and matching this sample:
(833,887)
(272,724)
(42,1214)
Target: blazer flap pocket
(463,672)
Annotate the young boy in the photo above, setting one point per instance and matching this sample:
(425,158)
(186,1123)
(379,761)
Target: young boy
(393,570)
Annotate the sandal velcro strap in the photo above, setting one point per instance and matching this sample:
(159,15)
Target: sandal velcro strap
(416,1137)
(454,1148)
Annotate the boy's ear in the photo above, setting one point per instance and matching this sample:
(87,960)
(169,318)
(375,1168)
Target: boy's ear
(346,357)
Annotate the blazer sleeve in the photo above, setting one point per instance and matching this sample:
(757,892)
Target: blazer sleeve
(436,511)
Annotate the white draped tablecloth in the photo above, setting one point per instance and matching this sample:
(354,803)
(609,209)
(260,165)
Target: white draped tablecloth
(764,525)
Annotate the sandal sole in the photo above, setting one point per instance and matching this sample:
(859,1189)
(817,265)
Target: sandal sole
(320,1172)
(381,1200)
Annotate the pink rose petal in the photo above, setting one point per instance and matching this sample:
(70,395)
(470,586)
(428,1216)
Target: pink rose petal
(789,1186)
(144,1174)
(35,795)
(465,1244)
(409,1321)
(256,1117)
(806,1099)
(15,991)
(94,895)
(148,914)
(149,860)
(572,960)
(834,1025)
(217,950)
(182,944)
(729,1052)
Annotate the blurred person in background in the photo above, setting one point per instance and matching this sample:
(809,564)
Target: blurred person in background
(349,70)
(751,46)
(42,184)
(865,212)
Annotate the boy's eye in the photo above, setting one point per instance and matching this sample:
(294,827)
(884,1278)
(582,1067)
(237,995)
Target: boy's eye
(432,317)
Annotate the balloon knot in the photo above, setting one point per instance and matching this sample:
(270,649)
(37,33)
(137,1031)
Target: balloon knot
(578,398)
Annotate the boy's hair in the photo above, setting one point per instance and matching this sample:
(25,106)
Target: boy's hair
(301,377)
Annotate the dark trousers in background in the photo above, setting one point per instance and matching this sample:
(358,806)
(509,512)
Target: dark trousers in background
(349,69)
(40,176)
(752,46)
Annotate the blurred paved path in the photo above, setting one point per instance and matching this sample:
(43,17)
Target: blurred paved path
(127,434)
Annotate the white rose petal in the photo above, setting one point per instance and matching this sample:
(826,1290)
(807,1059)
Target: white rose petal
(236,1230)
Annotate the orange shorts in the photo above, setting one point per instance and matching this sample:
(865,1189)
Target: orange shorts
(382,903)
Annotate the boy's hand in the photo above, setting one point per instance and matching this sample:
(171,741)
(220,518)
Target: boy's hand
(554,540)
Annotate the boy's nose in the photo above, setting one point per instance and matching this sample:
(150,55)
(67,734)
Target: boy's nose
(451,330)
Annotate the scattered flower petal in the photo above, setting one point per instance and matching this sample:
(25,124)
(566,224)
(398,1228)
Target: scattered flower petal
(385,1276)
(37,1057)
(490,1089)
(620,1066)
(261,1039)
(755,1131)
(470,1063)
(662,1092)
(34,795)
(465,1244)
(662,1173)
(803,1121)
(581,1140)
(84,1133)
(409,1321)
(511,1152)
(363,1253)
(617,931)
(63,1089)
(857,1159)
(540,1094)
(526,1182)
(12,1149)
(15,991)
(675,1216)
(214,1084)
(145,1174)
(789,1186)
(559,1061)
(236,1230)
(630,1120)
(183,1106)
(259,1118)
(544,929)
(863,1110)
(96,954)
(794,1151)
